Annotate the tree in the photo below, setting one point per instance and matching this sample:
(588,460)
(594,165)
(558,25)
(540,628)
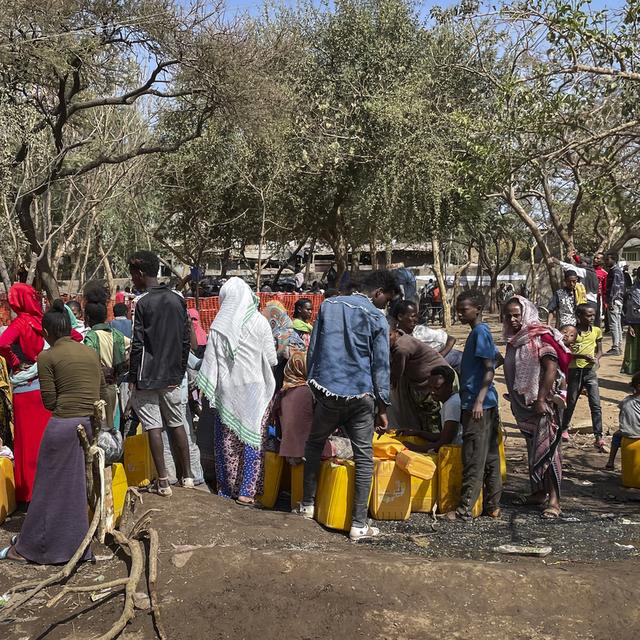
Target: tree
(65,64)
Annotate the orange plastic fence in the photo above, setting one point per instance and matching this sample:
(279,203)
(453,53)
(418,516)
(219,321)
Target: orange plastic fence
(208,307)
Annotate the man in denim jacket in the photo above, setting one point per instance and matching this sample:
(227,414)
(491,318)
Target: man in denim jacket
(348,372)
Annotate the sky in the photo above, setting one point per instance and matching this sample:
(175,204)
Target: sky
(252,6)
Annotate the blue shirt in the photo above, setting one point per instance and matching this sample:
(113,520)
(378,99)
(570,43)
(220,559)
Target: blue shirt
(348,353)
(123,325)
(478,348)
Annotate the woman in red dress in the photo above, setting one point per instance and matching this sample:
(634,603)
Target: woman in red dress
(20,344)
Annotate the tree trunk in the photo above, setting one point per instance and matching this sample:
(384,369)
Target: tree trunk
(373,251)
(388,256)
(514,203)
(283,265)
(457,275)
(532,267)
(355,263)
(437,270)
(4,274)
(47,279)
(226,254)
(42,264)
(108,272)
(307,269)
(493,294)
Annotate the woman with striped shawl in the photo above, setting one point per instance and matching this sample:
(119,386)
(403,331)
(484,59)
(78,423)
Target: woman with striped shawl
(237,381)
(531,374)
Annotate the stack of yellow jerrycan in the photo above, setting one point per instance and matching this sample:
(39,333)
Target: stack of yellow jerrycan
(503,457)
(138,462)
(631,462)
(119,486)
(450,480)
(334,495)
(297,480)
(390,491)
(7,489)
(273,464)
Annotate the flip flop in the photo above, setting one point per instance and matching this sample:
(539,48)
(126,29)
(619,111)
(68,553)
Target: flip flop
(4,555)
(252,505)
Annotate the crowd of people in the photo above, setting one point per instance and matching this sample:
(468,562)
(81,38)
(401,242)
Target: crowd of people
(312,385)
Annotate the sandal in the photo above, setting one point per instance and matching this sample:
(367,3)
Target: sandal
(551,513)
(155,487)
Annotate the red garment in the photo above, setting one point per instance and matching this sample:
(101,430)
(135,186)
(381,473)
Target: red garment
(201,334)
(602,274)
(564,357)
(436,295)
(119,297)
(30,422)
(26,329)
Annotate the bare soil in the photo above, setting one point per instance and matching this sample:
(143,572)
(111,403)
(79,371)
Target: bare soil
(231,572)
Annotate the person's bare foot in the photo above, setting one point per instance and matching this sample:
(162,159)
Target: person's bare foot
(609,466)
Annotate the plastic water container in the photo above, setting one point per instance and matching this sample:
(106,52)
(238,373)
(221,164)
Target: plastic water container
(390,491)
(386,447)
(334,496)
(119,486)
(630,462)
(138,463)
(503,457)
(419,465)
(424,493)
(7,489)
(450,480)
(273,465)
(297,480)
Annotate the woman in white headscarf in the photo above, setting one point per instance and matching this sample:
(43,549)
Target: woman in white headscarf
(237,380)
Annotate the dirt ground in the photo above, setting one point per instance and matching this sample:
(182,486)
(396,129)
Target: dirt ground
(231,572)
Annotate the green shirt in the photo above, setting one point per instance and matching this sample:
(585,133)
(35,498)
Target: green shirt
(71,379)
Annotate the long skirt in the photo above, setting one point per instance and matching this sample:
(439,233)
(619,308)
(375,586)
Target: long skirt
(57,519)
(239,466)
(296,418)
(543,436)
(631,361)
(30,420)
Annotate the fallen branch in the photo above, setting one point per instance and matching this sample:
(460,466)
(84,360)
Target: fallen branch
(87,589)
(154,546)
(137,566)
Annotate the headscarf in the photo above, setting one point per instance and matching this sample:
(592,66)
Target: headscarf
(528,345)
(236,375)
(282,328)
(201,334)
(295,371)
(26,304)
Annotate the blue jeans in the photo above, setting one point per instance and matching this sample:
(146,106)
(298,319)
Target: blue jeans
(356,417)
(615,323)
(578,380)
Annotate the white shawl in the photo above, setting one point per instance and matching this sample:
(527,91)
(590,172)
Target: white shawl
(236,374)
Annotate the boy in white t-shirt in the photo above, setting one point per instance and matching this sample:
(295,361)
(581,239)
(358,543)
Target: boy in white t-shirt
(441,385)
